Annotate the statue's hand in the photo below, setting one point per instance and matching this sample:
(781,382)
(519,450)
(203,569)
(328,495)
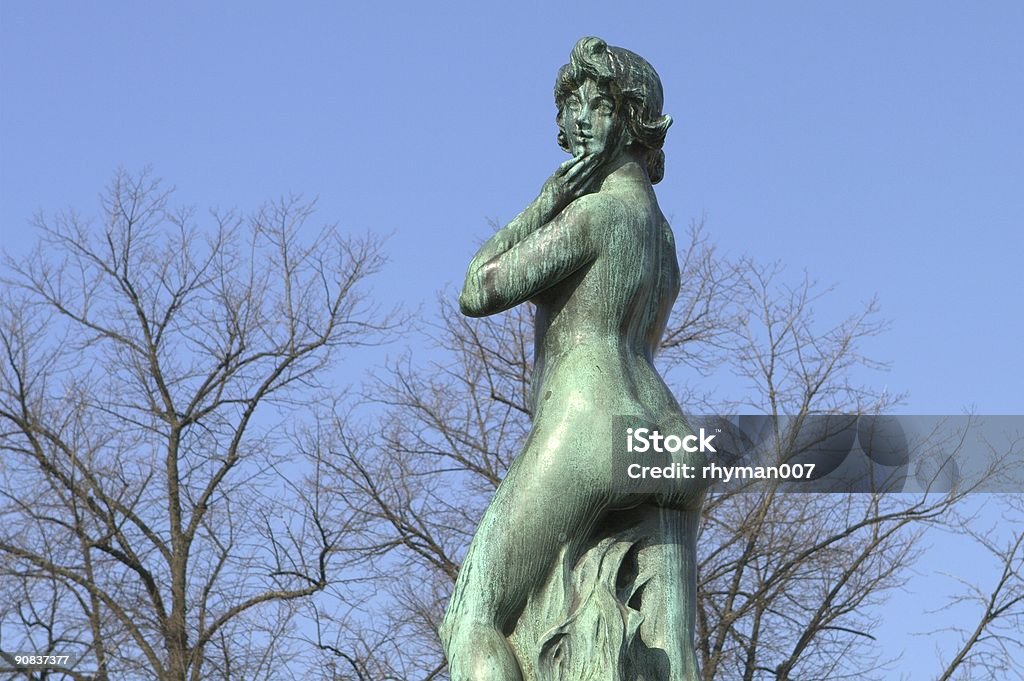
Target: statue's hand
(571,181)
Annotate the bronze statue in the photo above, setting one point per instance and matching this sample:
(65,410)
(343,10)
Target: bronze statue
(597,257)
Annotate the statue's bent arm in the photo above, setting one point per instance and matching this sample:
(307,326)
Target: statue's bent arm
(543,258)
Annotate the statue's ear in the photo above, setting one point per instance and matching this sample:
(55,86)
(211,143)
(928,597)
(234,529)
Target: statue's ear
(627,137)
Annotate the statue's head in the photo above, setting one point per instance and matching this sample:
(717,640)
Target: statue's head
(633,86)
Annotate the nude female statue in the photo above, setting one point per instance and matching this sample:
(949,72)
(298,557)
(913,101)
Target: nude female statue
(596,256)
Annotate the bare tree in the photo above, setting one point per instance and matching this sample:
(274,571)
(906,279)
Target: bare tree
(421,480)
(154,522)
(789,584)
(992,648)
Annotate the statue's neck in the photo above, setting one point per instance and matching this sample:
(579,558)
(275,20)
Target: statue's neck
(626,169)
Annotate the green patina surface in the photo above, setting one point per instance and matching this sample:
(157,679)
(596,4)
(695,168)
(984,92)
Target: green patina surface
(571,575)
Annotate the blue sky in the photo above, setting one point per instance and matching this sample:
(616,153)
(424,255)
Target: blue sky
(877,145)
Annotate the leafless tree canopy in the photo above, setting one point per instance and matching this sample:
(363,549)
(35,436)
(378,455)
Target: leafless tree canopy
(152,521)
(186,492)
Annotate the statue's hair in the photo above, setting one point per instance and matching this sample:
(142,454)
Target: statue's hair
(637,91)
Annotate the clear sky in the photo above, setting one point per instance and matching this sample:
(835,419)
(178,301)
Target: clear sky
(878,145)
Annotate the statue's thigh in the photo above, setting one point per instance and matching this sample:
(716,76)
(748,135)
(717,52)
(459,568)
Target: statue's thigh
(551,497)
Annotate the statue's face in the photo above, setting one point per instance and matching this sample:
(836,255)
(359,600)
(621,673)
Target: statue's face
(589,120)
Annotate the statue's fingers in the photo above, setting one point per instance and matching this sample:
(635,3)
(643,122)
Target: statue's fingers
(579,166)
(593,162)
(564,167)
(584,172)
(578,184)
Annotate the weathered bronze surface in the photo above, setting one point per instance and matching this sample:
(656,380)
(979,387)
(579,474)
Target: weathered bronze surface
(572,574)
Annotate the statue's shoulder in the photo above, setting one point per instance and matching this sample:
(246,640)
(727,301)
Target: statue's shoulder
(598,210)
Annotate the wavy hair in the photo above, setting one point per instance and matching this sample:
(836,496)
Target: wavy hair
(637,91)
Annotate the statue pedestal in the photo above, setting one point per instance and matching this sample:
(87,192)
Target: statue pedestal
(618,608)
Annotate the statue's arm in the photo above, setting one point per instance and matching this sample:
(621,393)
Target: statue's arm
(541,259)
(540,211)
(568,182)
